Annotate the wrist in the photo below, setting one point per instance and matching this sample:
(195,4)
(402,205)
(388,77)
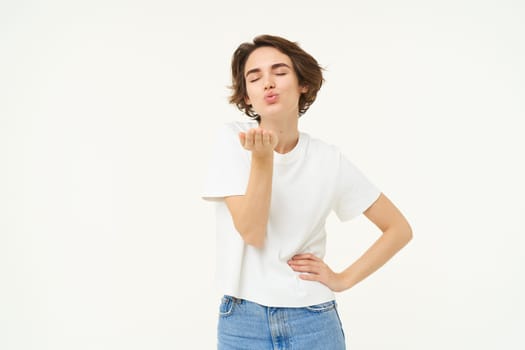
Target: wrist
(345,280)
(262,156)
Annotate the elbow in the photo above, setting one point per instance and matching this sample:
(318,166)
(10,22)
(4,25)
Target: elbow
(407,233)
(255,240)
(252,235)
(401,233)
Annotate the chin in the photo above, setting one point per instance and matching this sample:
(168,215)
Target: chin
(272,110)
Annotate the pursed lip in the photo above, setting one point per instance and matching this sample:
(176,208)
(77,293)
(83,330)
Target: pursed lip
(270,96)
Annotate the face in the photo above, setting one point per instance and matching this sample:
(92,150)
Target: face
(271,83)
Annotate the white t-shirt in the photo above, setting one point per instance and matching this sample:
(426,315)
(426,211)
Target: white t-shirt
(309,182)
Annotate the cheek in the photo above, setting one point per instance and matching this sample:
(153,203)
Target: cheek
(294,85)
(247,99)
(250,95)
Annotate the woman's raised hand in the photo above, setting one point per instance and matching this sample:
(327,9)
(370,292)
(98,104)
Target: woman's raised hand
(260,141)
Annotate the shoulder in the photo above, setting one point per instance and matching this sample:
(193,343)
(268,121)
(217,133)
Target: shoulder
(322,148)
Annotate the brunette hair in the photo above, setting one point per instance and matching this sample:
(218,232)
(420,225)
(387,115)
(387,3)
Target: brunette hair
(308,72)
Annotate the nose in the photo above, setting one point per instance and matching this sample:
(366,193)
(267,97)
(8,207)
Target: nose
(269,84)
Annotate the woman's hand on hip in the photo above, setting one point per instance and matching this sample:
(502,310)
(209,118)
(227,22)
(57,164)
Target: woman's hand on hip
(313,268)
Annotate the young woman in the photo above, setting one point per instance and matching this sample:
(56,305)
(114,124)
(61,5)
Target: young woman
(274,187)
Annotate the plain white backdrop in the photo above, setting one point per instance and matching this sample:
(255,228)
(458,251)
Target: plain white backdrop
(107,115)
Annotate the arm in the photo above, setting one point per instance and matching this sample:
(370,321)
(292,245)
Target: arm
(396,234)
(250,212)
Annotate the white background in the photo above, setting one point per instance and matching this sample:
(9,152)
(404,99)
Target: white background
(107,113)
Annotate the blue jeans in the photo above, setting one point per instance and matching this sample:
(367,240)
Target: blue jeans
(249,326)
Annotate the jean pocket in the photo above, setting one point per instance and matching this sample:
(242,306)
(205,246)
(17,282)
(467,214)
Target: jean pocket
(226,307)
(327,306)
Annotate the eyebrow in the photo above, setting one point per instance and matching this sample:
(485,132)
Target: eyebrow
(274,66)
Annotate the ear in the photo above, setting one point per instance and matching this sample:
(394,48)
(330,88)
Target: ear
(304,89)
(247,100)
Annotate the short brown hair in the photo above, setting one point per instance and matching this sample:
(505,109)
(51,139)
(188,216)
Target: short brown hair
(308,72)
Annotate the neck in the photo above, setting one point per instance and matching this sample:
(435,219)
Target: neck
(287,129)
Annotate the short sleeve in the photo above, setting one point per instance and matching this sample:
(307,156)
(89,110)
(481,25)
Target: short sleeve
(228,167)
(354,192)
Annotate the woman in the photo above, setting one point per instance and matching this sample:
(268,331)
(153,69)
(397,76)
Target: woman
(274,187)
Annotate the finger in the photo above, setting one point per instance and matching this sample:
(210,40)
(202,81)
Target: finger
(242,138)
(300,256)
(305,264)
(266,138)
(269,133)
(302,262)
(306,268)
(249,138)
(308,256)
(258,137)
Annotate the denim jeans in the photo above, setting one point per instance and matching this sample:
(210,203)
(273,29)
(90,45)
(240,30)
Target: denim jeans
(249,326)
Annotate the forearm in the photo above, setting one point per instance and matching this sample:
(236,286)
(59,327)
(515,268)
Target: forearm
(252,210)
(383,249)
